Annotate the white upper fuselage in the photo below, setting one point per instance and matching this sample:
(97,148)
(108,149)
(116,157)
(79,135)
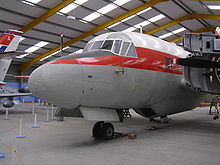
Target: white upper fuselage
(118,70)
(146,41)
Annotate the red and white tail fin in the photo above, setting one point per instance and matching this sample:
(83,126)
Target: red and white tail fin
(9,40)
(8,43)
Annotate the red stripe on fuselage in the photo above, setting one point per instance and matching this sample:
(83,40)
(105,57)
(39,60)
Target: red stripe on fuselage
(147,60)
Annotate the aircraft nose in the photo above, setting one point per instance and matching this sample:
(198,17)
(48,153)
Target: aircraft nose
(58,84)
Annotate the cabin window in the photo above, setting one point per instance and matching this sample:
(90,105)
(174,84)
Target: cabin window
(97,45)
(132,51)
(117,46)
(107,45)
(88,46)
(125,48)
(168,63)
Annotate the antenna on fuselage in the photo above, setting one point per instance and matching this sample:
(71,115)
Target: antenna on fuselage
(141,29)
(61,44)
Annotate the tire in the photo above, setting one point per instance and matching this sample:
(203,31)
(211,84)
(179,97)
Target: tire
(96,130)
(107,131)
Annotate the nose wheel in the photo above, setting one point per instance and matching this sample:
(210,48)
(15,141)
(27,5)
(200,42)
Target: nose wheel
(103,131)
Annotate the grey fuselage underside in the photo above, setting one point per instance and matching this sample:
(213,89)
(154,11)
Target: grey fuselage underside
(102,86)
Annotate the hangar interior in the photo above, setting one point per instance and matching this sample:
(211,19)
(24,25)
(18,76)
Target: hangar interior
(191,138)
(80,20)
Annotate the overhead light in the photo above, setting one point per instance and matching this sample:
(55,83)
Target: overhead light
(92,17)
(107,8)
(214,7)
(156,18)
(68,8)
(53,54)
(71,17)
(36,46)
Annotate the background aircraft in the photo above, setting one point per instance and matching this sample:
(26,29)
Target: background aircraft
(118,71)
(8,44)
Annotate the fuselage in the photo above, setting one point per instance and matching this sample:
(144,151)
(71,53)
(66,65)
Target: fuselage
(119,71)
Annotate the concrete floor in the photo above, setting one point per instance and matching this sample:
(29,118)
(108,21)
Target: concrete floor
(191,138)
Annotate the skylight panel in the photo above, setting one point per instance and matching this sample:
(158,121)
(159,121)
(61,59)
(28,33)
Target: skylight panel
(34,1)
(28,3)
(23,55)
(165,35)
(143,11)
(126,19)
(69,8)
(156,18)
(130,29)
(107,8)
(214,7)
(36,46)
(142,24)
(53,54)
(121,2)
(114,25)
(172,33)
(179,30)
(130,17)
(92,17)
(80,2)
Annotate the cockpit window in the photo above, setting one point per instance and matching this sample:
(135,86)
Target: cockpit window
(117,46)
(131,51)
(107,45)
(88,46)
(125,48)
(97,45)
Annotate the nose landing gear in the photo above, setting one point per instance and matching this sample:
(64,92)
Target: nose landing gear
(103,131)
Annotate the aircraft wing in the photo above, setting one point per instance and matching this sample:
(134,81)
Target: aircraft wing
(10,55)
(14,95)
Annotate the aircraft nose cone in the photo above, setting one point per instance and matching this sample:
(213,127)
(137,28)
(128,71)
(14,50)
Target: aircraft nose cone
(59,84)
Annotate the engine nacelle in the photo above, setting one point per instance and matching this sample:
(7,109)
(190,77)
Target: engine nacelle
(8,103)
(202,67)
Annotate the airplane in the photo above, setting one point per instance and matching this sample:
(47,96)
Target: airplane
(118,71)
(9,41)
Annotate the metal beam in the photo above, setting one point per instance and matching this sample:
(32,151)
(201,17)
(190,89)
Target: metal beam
(184,18)
(206,29)
(46,15)
(95,30)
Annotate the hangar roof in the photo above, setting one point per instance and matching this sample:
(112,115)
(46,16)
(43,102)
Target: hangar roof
(43,21)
